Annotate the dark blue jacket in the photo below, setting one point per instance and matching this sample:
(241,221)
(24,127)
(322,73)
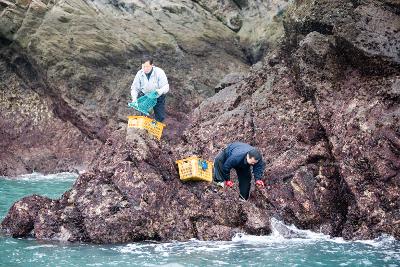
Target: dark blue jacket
(235,157)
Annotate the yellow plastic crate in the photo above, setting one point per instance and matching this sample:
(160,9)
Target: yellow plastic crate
(192,169)
(142,122)
(136,122)
(154,127)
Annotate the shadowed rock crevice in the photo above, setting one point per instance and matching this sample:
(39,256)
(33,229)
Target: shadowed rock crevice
(371,65)
(4,42)
(342,196)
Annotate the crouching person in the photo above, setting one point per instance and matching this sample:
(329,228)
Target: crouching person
(241,157)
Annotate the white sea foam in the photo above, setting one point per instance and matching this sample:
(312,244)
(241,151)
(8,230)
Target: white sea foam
(173,264)
(134,248)
(40,246)
(165,249)
(282,235)
(381,241)
(291,234)
(41,177)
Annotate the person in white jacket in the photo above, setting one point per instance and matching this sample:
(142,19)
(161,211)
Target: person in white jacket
(151,78)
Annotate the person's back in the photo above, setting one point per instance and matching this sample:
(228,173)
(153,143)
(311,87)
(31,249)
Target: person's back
(238,149)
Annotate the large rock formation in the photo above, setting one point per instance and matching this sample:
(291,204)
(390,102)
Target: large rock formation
(133,194)
(348,66)
(324,110)
(39,132)
(69,65)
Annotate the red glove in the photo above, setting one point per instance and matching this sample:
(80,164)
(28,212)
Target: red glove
(259,183)
(228,183)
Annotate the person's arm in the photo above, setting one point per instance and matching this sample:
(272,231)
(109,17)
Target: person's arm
(135,87)
(163,86)
(258,170)
(229,163)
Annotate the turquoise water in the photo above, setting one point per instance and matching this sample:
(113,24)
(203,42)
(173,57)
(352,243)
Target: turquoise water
(305,248)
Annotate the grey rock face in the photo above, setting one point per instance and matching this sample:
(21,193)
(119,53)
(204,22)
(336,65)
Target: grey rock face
(78,58)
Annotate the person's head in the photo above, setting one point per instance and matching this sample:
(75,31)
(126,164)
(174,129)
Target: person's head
(147,64)
(253,156)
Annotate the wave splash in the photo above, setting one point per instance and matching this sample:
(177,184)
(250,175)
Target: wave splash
(290,233)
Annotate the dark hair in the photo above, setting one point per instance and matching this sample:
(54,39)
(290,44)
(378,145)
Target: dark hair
(255,154)
(148,58)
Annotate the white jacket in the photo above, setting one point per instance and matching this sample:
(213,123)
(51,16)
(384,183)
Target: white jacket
(158,82)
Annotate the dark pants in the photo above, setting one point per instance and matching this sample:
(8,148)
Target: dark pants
(244,175)
(218,163)
(159,108)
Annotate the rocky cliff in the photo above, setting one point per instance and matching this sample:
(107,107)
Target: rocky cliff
(323,107)
(133,194)
(67,67)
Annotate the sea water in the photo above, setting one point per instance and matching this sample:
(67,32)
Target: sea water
(291,247)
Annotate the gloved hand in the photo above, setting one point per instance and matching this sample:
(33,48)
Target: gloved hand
(260,183)
(228,183)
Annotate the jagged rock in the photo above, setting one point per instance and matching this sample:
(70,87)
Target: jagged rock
(366,32)
(20,219)
(228,12)
(229,80)
(356,109)
(267,111)
(138,196)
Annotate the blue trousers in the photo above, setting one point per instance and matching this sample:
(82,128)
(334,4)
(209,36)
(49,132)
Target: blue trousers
(159,109)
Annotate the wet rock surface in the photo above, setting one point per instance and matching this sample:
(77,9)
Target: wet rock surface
(324,110)
(138,197)
(19,222)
